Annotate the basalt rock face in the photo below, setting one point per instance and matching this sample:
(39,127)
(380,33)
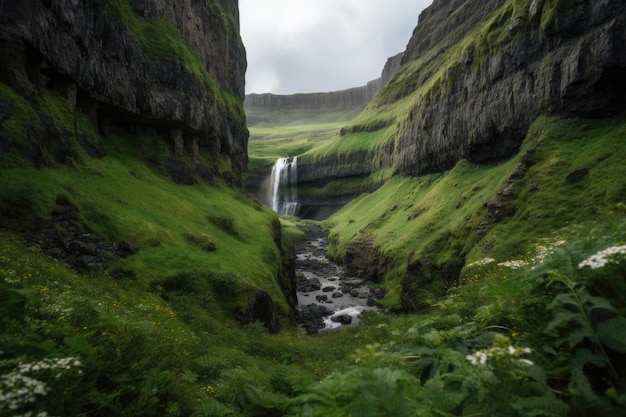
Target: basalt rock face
(576,67)
(314,175)
(89,53)
(351,99)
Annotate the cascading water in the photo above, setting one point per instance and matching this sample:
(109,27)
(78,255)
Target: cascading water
(284,186)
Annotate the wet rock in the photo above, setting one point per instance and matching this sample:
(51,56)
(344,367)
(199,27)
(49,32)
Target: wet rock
(353,282)
(311,317)
(308,285)
(343,319)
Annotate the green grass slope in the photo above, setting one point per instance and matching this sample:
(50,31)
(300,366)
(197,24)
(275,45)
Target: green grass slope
(433,220)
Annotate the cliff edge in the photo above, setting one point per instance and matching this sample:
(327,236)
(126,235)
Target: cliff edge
(352,99)
(177,68)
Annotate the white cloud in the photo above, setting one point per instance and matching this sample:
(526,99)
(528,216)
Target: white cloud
(299,46)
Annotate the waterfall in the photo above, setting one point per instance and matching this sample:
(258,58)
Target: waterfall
(284,186)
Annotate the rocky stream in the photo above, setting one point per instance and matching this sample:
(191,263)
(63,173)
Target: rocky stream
(327,298)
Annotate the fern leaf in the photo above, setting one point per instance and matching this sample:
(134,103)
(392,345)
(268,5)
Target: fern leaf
(592,303)
(586,357)
(564,299)
(564,318)
(574,337)
(537,374)
(584,396)
(213,408)
(545,406)
(612,333)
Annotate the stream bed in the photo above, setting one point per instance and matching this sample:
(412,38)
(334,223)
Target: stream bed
(327,299)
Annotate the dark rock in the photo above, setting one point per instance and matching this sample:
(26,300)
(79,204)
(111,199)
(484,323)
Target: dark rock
(577,175)
(363,260)
(321,298)
(498,206)
(308,285)
(311,317)
(379,293)
(342,319)
(328,288)
(179,172)
(63,237)
(424,277)
(262,310)
(337,295)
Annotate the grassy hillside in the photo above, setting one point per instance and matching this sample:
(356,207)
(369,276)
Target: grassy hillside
(275,141)
(434,219)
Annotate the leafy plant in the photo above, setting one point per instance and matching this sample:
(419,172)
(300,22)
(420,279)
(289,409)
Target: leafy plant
(595,336)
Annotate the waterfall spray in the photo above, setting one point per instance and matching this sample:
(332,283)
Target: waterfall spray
(284,186)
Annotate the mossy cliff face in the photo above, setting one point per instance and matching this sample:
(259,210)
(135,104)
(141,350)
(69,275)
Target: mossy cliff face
(175,67)
(474,77)
(481,106)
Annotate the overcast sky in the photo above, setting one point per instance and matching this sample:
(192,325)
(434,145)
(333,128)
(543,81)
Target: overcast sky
(302,46)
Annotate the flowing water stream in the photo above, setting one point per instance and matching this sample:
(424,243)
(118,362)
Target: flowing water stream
(327,299)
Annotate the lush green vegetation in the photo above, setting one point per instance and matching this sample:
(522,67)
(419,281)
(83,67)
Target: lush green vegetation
(105,347)
(534,326)
(529,330)
(263,118)
(436,217)
(270,143)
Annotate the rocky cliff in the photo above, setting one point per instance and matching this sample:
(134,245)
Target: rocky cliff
(476,74)
(175,67)
(481,107)
(345,100)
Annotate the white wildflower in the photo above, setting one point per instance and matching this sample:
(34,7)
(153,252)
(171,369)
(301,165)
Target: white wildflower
(481,262)
(516,264)
(11,277)
(600,259)
(478,358)
(481,357)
